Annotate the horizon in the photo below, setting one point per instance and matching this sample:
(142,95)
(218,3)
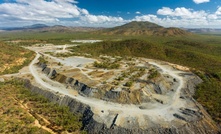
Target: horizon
(5,28)
(94,13)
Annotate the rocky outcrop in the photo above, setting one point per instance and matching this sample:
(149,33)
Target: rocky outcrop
(191,84)
(202,126)
(112,95)
(197,122)
(82,88)
(123,96)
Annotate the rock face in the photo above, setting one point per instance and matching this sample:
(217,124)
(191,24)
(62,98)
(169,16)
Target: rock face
(85,90)
(192,82)
(204,125)
(197,122)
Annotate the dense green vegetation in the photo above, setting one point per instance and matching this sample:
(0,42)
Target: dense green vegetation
(209,95)
(203,55)
(20,108)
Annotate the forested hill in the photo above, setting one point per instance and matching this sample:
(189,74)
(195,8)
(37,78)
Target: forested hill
(143,28)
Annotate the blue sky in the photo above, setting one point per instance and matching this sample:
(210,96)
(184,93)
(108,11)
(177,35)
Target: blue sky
(109,13)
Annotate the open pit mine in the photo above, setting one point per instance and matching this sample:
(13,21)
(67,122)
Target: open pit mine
(120,94)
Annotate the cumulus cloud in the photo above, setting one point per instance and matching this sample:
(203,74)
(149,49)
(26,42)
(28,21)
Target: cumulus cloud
(200,1)
(50,12)
(218,12)
(40,10)
(183,17)
(150,17)
(100,19)
(181,12)
(138,12)
(84,11)
(66,12)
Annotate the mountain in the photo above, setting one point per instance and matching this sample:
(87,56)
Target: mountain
(143,28)
(204,30)
(64,29)
(132,28)
(56,28)
(35,26)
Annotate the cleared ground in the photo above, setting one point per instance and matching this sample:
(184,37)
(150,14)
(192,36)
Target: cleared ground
(161,110)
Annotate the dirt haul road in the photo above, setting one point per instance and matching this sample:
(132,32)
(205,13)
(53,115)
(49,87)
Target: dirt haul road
(158,114)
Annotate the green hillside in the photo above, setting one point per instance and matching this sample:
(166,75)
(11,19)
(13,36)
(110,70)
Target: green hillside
(143,28)
(13,58)
(177,51)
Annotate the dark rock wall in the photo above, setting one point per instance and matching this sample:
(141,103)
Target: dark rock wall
(203,126)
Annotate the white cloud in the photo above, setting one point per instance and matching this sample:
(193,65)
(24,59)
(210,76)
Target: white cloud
(165,11)
(183,17)
(218,12)
(150,17)
(66,12)
(212,17)
(100,19)
(40,10)
(181,12)
(84,11)
(200,1)
(52,12)
(138,12)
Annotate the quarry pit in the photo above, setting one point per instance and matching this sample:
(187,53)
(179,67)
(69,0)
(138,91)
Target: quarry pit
(128,92)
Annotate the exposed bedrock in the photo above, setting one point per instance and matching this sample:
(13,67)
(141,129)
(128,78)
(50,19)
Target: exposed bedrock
(196,122)
(204,124)
(124,96)
(190,86)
